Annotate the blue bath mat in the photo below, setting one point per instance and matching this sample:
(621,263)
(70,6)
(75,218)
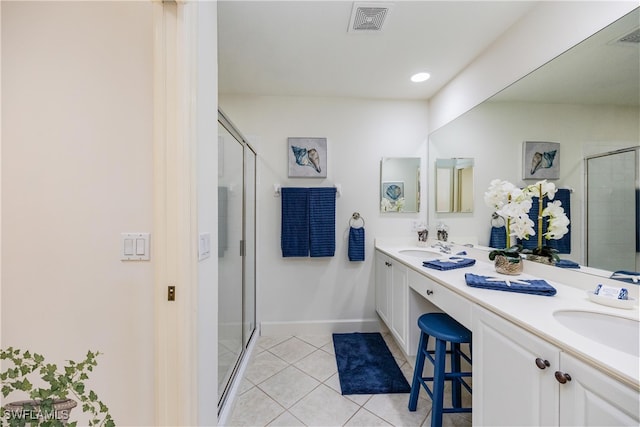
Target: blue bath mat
(366,366)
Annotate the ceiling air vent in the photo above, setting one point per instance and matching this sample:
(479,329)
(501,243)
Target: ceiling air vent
(367,17)
(632,37)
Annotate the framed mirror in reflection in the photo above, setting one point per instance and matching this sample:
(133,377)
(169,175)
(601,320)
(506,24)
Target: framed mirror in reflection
(454,185)
(400,184)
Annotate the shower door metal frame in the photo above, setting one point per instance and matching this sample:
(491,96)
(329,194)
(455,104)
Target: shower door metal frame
(230,127)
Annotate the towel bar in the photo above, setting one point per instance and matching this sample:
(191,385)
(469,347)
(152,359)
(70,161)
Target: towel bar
(276,190)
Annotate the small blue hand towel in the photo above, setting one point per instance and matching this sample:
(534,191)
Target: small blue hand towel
(498,238)
(627,276)
(450,263)
(525,286)
(294,237)
(356,244)
(567,263)
(322,221)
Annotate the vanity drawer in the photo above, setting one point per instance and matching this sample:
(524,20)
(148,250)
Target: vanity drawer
(448,301)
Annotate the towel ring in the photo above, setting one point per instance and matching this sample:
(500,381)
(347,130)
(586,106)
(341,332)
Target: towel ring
(355,217)
(497,221)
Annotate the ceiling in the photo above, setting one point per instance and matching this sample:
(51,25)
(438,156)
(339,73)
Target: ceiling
(600,70)
(303,48)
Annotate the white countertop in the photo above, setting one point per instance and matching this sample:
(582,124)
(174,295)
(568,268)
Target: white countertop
(532,312)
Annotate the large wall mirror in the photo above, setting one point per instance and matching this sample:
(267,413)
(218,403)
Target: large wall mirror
(454,185)
(587,100)
(400,184)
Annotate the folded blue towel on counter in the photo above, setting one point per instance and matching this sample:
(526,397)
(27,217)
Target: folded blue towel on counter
(525,286)
(626,276)
(567,263)
(450,263)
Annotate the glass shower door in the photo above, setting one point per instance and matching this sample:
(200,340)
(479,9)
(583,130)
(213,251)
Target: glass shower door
(230,266)
(612,216)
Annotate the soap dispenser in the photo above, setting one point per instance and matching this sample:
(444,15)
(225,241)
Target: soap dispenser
(423,234)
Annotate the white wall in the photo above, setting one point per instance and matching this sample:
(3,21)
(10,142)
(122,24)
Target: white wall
(549,29)
(76,172)
(206,372)
(493,134)
(359,133)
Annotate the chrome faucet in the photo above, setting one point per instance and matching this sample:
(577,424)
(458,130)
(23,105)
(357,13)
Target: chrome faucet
(442,247)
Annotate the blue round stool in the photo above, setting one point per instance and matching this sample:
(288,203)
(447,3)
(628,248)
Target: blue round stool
(444,329)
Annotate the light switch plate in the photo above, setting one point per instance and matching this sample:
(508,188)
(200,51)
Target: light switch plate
(134,246)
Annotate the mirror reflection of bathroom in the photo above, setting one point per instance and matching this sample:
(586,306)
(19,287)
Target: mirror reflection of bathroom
(400,184)
(454,185)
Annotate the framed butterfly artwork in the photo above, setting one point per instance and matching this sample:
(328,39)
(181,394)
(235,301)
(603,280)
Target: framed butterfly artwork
(307,157)
(540,160)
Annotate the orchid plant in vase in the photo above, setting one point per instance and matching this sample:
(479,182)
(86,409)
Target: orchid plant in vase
(513,204)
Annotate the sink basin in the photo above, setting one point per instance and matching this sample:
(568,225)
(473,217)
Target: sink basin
(616,332)
(421,253)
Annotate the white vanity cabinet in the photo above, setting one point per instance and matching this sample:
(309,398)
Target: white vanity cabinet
(521,379)
(593,398)
(392,296)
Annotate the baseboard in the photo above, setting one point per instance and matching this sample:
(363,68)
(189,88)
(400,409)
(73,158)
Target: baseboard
(321,327)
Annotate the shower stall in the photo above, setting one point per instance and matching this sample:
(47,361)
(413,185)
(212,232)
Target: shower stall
(612,210)
(236,251)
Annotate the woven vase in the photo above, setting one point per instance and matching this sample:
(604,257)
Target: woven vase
(541,259)
(508,265)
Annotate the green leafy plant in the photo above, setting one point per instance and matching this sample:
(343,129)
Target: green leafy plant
(62,384)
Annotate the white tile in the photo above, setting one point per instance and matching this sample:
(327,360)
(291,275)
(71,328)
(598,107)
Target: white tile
(364,418)
(286,420)
(319,364)
(334,383)
(328,347)
(317,340)
(267,342)
(245,385)
(324,407)
(254,408)
(393,408)
(288,386)
(263,366)
(451,420)
(292,350)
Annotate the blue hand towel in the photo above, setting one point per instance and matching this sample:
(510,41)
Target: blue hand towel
(627,276)
(563,245)
(498,238)
(322,221)
(356,244)
(450,263)
(567,263)
(294,237)
(525,286)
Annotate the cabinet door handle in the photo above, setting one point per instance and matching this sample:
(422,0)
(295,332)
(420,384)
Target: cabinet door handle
(542,364)
(387,263)
(562,377)
(429,292)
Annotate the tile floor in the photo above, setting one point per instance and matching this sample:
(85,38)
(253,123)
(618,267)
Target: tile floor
(293,381)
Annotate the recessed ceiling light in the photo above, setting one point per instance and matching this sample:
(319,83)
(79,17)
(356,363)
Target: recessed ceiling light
(420,77)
